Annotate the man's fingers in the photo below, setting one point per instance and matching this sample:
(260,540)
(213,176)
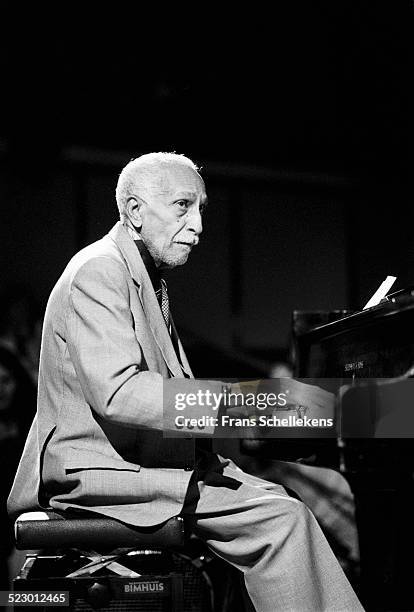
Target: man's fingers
(277,394)
(308,395)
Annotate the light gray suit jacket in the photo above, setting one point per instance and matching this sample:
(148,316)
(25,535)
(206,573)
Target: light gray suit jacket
(96,441)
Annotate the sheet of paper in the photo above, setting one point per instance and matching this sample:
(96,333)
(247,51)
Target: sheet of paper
(381,292)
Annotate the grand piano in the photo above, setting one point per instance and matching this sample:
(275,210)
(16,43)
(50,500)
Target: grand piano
(357,349)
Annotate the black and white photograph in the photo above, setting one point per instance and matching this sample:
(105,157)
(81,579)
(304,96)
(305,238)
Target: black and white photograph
(206,308)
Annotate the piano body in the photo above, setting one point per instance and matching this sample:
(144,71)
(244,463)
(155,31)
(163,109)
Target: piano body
(371,344)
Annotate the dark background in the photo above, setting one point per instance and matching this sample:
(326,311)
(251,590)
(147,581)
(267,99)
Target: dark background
(301,118)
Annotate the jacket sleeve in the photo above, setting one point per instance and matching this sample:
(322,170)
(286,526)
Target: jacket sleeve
(107,357)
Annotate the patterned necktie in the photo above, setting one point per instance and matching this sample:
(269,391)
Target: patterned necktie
(165,304)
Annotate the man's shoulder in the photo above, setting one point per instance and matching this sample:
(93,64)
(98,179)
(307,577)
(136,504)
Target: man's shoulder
(100,256)
(95,269)
(103,249)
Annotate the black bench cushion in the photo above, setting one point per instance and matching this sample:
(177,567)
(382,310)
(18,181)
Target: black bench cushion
(35,530)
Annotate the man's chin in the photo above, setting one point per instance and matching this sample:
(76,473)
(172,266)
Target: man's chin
(173,262)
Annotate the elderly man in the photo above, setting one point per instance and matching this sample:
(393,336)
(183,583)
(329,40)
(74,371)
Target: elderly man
(110,351)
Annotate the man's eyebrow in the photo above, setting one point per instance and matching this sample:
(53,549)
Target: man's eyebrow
(186,194)
(190,195)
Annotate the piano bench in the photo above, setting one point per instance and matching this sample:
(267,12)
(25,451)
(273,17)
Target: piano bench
(50,529)
(100,560)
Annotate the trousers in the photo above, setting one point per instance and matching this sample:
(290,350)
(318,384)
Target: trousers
(273,539)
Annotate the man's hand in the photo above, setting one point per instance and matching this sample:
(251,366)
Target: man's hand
(276,395)
(313,400)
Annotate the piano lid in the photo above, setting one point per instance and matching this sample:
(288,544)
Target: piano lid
(376,342)
(391,305)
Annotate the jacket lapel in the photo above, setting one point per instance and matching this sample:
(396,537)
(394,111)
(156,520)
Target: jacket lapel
(183,358)
(147,297)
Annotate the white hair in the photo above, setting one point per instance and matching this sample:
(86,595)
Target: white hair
(139,174)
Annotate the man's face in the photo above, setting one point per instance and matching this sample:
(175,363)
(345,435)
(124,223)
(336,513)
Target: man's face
(171,215)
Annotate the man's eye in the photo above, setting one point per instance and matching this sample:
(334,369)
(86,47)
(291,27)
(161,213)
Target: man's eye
(183,204)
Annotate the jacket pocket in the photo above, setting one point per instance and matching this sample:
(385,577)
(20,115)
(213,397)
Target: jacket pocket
(85,459)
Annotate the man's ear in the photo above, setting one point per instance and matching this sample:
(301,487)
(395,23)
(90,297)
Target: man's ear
(133,210)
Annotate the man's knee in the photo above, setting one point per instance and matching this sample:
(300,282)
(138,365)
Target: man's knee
(291,513)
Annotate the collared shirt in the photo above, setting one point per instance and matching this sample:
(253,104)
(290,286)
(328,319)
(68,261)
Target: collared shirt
(153,273)
(149,263)
(155,278)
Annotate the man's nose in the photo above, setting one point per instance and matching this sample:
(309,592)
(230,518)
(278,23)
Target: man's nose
(194,221)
